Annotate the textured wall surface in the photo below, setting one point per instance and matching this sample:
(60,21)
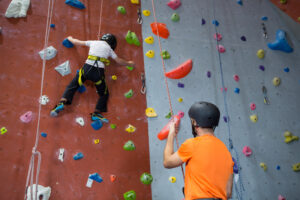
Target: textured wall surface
(190,39)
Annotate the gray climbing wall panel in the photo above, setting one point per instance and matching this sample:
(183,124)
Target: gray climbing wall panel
(190,39)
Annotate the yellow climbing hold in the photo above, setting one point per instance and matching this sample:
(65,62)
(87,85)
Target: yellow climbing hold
(150,112)
(135,1)
(114,77)
(263,165)
(172,179)
(149,40)
(296,167)
(253,118)
(276,81)
(289,137)
(96,141)
(146,13)
(180,100)
(130,128)
(260,53)
(150,54)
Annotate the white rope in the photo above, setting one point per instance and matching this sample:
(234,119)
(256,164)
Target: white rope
(100,20)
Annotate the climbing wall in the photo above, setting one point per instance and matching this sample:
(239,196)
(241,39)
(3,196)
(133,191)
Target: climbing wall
(20,76)
(192,37)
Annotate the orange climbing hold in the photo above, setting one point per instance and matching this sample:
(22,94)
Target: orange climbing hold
(163,134)
(180,71)
(161,28)
(112,178)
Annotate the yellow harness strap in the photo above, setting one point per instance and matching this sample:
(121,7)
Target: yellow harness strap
(81,72)
(96,58)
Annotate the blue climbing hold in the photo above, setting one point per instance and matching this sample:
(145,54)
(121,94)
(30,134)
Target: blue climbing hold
(243,38)
(280,43)
(278,167)
(203,21)
(44,134)
(215,22)
(264,18)
(67,43)
(81,89)
(239,2)
(235,167)
(96,124)
(208,74)
(78,156)
(286,69)
(237,90)
(52,25)
(75,3)
(96,177)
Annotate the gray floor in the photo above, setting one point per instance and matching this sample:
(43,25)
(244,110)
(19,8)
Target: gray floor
(189,39)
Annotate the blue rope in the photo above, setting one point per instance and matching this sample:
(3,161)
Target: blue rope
(241,188)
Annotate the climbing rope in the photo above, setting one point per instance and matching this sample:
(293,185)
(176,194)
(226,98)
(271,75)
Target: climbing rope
(231,147)
(100,20)
(30,173)
(166,82)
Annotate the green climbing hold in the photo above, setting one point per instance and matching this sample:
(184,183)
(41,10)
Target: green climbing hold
(130,68)
(165,54)
(146,178)
(113,126)
(121,10)
(131,38)
(129,146)
(130,195)
(169,115)
(128,94)
(175,17)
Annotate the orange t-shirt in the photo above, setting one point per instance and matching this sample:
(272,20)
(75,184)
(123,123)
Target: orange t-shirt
(208,167)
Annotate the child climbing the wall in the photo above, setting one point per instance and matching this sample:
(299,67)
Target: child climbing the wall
(93,70)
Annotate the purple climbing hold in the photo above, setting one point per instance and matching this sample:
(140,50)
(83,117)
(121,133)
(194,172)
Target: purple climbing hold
(243,38)
(286,69)
(235,167)
(261,67)
(181,85)
(237,90)
(215,22)
(203,21)
(208,74)
(225,119)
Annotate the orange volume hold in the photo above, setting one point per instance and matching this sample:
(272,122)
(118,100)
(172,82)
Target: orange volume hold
(180,71)
(163,134)
(161,29)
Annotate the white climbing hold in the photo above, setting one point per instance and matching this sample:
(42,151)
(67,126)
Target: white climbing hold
(236,178)
(50,53)
(89,182)
(17,8)
(43,192)
(64,68)
(80,121)
(44,100)
(61,154)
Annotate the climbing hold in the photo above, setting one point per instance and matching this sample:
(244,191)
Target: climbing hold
(113,126)
(81,89)
(225,119)
(41,191)
(208,74)
(261,67)
(174,4)
(168,116)
(218,36)
(163,134)
(263,165)
(128,94)
(44,100)
(281,197)
(276,81)
(112,178)
(17,8)
(3,130)
(221,48)
(134,1)
(130,68)
(280,42)
(172,179)
(180,100)
(165,54)
(149,40)
(289,137)
(80,121)
(253,118)
(180,114)
(225,89)
(150,112)
(278,167)
(252,106)
(283,1)
(50,53)
(239,2)
(131,38)
(44,134)
(264,18)
(121,10)
(61,154)
(180,71)
(243,38)
(286,69)
(75,3)
(64,68)
(235,166)
(160,29)
(146,178)
(96,177)
(146,13)
(215,22)
(180,85)
(96,141)
(129,146)
(236,78)
(130,195)
(130,128)
(203,21)
(296,167)
(78,156)
(114,77)
(247,151)
(67,43)
(27,117)
(237,90)
(175,17)
(96,124)
(260,53)
(150,54)
(52,25)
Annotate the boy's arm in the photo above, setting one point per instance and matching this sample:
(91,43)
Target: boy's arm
(121,61)
(76,41)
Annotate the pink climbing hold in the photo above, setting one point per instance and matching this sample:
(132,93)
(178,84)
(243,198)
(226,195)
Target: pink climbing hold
(281,197)
(174,4)
(252,106)
(236,78)
(222,89)
(218,36)
(247,151)
(27,117)
(221,48)
(180,114)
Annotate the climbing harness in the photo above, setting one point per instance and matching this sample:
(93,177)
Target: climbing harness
(143,89)
(264,30)
(96,58)
(140,19)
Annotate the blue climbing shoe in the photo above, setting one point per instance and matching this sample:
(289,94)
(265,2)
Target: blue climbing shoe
(98,116)
(59,107)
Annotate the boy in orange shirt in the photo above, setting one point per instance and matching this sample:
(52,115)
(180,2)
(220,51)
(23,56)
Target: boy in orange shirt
(209,165)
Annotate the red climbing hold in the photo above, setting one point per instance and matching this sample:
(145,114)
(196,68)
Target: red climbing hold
(161,29)
(180,71)
(112,178)
(163,134)
(247,151)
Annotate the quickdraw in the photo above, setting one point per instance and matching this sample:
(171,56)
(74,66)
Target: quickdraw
(143,89)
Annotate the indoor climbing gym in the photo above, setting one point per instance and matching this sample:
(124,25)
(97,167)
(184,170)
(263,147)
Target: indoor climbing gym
(150,99)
